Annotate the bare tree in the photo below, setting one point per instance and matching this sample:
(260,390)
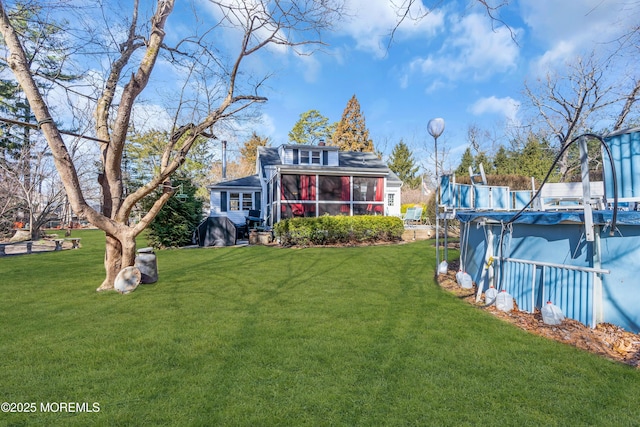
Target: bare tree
(630,47)
(414,10)
(42,194)
(132,58)
(572,103)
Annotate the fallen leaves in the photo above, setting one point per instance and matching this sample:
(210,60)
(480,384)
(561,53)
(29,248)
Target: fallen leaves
(605,339)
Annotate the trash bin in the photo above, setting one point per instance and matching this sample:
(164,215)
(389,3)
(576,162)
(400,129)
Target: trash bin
(147,264)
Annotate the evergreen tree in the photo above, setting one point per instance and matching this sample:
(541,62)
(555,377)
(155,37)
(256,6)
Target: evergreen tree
(179,217)
(310,128)
(249,151)
(143,156)
(352,134)
(537,158)
(502,162)
(487,163)
(465,163)
(401,162)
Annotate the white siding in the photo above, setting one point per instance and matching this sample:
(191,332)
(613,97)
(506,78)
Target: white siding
(237,217)
(215,204)
(286,156)
(333,158)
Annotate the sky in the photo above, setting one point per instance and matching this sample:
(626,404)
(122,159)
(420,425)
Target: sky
(456,63)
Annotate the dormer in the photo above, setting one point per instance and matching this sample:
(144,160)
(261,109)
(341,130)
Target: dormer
(308,155)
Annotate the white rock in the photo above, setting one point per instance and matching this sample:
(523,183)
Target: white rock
(127,280)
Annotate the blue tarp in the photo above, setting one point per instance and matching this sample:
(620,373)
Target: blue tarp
(551,217)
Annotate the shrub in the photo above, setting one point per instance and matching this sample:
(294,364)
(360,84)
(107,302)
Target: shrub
(331,230)
(178,218)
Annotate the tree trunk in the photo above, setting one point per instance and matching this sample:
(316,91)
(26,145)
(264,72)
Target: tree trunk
(119,253)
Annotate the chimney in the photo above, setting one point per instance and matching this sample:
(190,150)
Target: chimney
(321,142)
(224,159)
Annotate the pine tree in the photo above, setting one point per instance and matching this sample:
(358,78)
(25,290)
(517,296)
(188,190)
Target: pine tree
(401,162)
(536,159)
(179,217)
(465,162)
(502,162)
(249,151)
(310,128)
(487,163)
(352,134)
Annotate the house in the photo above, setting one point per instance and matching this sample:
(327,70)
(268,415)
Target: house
(308,181)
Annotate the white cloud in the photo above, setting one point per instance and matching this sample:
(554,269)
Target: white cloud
(267,125)
(311,67)
(371,23)
(570,28)
(507,107)
(552,58)
(436,85)
(473,49)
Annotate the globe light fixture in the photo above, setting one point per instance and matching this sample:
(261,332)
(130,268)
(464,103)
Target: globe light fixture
(435,128)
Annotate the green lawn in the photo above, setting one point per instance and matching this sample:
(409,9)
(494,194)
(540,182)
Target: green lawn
(261,336)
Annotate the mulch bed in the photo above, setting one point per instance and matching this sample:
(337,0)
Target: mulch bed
(605,340)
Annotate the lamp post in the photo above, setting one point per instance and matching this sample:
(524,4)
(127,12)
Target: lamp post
(435,128)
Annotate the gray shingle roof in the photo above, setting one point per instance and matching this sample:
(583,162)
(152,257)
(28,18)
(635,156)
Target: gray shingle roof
(353,160)
(269,156)
(247,181)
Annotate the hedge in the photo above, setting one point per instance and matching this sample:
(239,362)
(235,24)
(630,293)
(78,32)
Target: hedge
(331,230)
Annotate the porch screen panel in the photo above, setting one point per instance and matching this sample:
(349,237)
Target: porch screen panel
(297,209)
(369,190)
(290,187)
(307,187)
(346,194)
(366,189)
(333,209)
(308,192)
(297,189)
(331,188)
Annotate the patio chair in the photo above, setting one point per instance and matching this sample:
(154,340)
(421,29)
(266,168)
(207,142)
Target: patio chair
(253,219)
(412,216)
(417,215)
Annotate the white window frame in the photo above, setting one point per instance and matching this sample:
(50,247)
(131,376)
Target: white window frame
(310,157)
(241,201)
(316,157)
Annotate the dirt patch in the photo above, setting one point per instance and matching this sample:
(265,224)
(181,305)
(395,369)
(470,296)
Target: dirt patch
(605,339)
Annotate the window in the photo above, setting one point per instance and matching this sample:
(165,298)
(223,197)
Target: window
(308,157)
(315,157)
(304,157)
(240,201)
(391,199)
(247,202)
(234,201)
